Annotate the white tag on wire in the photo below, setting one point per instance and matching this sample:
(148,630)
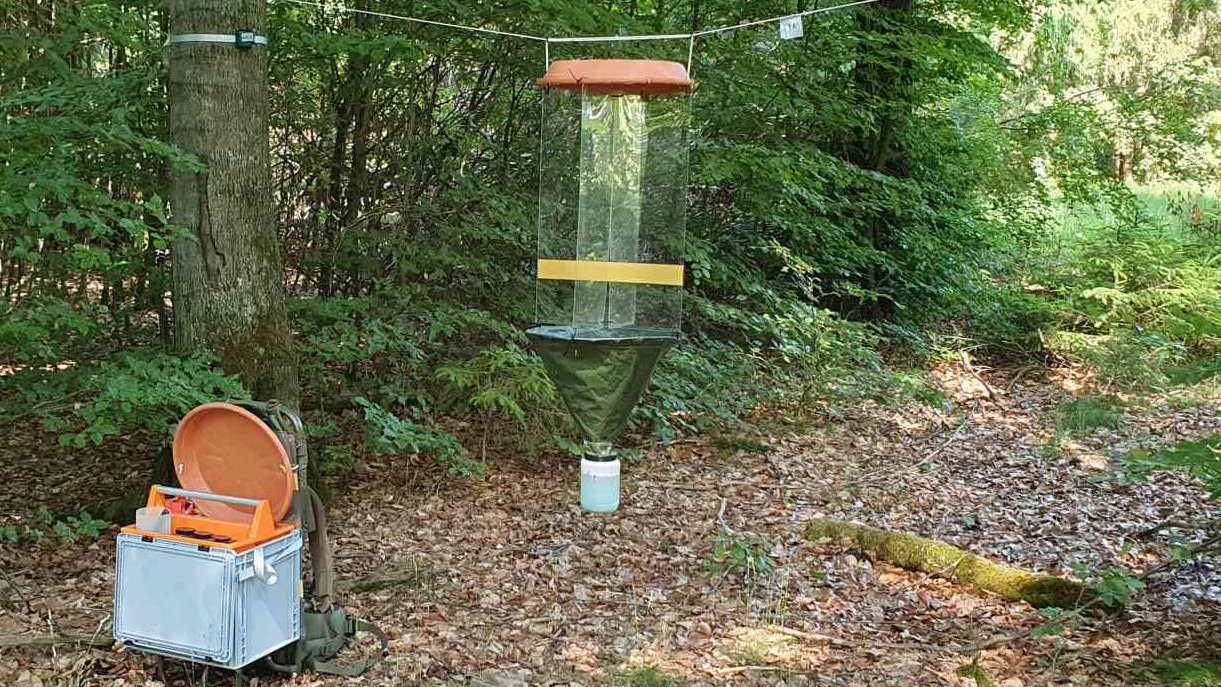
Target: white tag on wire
(791,27)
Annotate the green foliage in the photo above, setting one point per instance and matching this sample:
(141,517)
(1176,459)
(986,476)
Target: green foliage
(748,556)
(1115,587)
(1137,290)
(147,391)
(1052,624)
(1087,413)
(83,226)
(39,328)
(1200,458)
(1006,318)
(390,434)
(1188,673)
(780,349)
(1127,358)
(78,526)
(505,380)
(72,528)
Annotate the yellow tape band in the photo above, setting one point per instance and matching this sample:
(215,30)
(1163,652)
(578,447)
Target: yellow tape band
(617,272)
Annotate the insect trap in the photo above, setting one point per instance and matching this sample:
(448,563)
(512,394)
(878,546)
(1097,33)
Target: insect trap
(612,217)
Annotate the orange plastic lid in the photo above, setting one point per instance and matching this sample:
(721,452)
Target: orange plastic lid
(643,77)
(222,449)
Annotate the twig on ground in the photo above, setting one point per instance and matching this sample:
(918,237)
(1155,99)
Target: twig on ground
(729,670)
(966,362)
(937,451)
(720,519)
(819,677)
(52,639)
(851,643)
(54,630)
(29,608)
(711,487)
(1018,376)
(98,631)
(1166,525)
(918,464)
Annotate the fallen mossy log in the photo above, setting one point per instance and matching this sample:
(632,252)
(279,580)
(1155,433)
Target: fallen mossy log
(926,555)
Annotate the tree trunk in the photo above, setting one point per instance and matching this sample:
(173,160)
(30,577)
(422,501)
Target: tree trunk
(917,553)
(229,279)
(884,79)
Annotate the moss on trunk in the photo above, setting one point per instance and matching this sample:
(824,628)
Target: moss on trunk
(926,555)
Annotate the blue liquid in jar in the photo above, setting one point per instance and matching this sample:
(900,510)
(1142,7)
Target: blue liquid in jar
(600,486)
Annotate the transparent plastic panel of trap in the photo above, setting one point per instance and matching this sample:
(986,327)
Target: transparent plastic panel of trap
(613,144)
(612,213)
(559,195)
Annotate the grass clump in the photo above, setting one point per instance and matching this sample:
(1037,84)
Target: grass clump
(1087,413)
(647,676)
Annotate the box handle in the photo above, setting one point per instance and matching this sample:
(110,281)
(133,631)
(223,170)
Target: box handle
(263,568)
(262,525)
(205,496)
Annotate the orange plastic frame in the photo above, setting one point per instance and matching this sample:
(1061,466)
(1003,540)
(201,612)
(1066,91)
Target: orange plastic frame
(262,527)
(618,77)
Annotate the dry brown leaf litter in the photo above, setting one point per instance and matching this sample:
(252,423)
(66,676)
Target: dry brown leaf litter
(507,579)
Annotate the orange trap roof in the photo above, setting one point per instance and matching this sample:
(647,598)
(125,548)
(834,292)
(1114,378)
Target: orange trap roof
(223,449)
(642,77)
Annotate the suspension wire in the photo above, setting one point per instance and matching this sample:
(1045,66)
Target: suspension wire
(807,13)
(547,40)
(622,39)
(417,20)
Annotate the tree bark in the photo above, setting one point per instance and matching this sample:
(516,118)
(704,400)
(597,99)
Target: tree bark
(925,555)
(883,77)
(228,279)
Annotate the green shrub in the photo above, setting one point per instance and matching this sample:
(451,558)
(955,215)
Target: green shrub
(748,556)
(148,391)
(506,380)
(390,434)
(66,529)
(37,330)
(1188,673)
(1200,458)
(1139,296)
(1005,318)
(1127,357)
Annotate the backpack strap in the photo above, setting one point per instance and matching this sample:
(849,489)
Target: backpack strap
(355,625)
(323,635)
(319,549)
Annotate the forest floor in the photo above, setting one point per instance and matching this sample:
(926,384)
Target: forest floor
(507,579)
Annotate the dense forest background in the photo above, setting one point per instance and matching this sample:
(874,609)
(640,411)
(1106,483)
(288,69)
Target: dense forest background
(910,182)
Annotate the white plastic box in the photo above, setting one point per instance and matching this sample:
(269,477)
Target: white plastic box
(206,604)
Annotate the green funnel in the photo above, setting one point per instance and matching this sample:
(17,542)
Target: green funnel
(600,375)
